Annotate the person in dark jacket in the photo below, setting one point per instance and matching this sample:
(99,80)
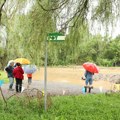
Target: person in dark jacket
(18,74)
(9,70)
(88,80)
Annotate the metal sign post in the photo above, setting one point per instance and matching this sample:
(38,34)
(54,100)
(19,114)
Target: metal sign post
(51,37)
(45,77)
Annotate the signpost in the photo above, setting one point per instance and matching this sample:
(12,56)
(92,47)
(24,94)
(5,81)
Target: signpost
(53,37)
(56,37)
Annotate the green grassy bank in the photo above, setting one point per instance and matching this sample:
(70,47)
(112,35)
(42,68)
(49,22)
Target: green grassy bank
(82,107)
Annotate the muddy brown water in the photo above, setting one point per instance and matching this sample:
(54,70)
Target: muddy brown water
(72,75)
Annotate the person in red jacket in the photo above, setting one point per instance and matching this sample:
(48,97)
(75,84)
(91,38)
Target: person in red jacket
(18,74)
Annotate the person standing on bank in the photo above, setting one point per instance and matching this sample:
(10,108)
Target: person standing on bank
(18,74)
(9,70)
(88,81)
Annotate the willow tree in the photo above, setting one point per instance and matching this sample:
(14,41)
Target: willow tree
(71,11)
(8,9)
(29,31)
(2,49)
(73,15)
(34,29)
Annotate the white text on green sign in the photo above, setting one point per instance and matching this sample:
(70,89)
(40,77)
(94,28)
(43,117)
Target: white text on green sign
(56,37)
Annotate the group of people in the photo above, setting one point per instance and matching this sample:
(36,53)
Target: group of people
(15,70)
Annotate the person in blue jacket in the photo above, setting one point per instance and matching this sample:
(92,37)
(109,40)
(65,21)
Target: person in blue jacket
(88,81)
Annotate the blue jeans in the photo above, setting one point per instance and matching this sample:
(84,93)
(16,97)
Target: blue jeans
(11,81)
(89,80)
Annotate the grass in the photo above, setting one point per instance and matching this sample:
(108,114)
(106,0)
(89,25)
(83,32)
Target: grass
(82,107)
(3,76)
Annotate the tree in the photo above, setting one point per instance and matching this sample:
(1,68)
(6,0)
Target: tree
(1,8)
(8,9)
(26,33)
(113,51)
(2,50)
(69,12)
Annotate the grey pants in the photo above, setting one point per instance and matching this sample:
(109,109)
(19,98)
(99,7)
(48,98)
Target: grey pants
(29,80)
(11,82)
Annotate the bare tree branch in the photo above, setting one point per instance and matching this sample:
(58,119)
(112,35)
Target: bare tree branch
(79,14)
(1,10)
(53,9)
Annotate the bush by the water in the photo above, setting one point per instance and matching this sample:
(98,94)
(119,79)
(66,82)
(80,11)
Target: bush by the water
(82,107)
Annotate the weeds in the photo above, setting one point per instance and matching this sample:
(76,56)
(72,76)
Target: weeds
(29,98)
(30,106)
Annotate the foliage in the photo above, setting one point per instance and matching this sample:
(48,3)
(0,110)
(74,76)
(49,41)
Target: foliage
(3,57)
(113,51)
(27,32)
(89,106)
(104,10)
(3,76)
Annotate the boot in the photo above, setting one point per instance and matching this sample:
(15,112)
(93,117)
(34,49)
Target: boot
(90,89)
(17,88)
(85,88)
(20,88)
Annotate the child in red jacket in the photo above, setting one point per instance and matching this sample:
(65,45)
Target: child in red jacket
(29,78)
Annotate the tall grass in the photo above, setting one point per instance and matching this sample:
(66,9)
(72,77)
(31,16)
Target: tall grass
(82,107)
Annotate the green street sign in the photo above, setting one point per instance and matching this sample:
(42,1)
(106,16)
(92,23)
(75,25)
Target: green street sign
(56,37)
